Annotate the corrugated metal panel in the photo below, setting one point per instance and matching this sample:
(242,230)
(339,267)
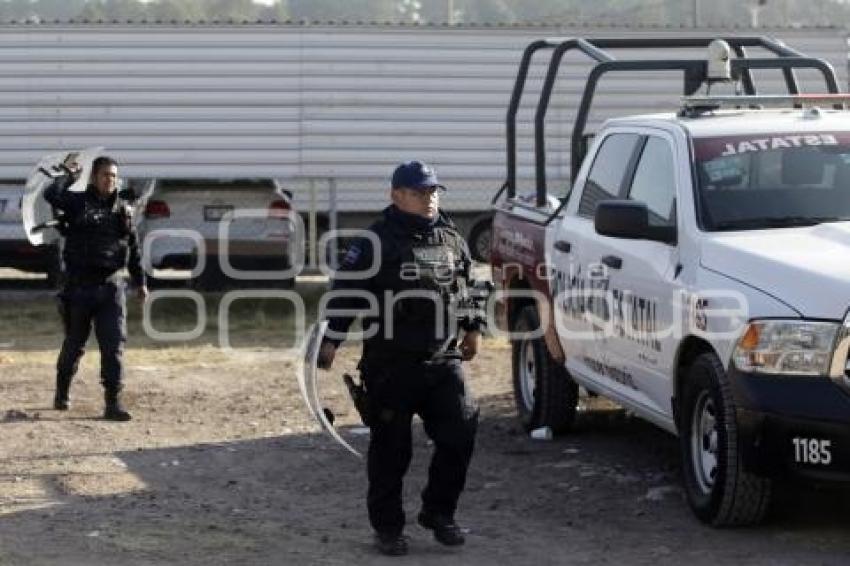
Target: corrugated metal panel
(300,102)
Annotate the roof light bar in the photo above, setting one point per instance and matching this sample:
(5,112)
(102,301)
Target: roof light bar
(764,101)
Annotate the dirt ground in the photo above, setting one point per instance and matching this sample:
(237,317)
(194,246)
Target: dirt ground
(221,465)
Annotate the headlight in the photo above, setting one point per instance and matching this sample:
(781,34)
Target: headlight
(786,347)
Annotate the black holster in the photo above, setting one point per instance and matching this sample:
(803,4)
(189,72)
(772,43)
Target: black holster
(360,397)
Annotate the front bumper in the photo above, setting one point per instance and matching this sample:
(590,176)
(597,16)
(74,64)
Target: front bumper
(793,426)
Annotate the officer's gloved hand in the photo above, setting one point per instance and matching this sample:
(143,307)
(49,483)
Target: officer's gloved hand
(469,345)
(72,169)
(327,353)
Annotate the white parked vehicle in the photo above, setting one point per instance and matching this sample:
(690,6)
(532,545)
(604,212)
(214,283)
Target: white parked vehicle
(698,274)
(16,251)
(243,228)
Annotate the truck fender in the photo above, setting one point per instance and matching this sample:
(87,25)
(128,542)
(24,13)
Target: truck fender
(547,313)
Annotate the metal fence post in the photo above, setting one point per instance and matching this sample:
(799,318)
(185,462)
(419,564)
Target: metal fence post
(313,229)
(332,222)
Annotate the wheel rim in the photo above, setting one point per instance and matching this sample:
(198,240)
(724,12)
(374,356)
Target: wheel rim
(704,440)
(527,374)
(482,244)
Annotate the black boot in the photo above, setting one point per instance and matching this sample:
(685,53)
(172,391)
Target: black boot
(446,531)
(391,544)
(61,402)
(114,411)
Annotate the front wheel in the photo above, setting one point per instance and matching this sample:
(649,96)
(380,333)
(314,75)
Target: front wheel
(544,392)
(720,490)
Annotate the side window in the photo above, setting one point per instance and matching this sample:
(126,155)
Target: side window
(654,182)
(606,174)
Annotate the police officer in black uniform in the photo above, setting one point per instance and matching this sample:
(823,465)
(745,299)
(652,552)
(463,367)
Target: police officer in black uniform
(411,364)
(100,240)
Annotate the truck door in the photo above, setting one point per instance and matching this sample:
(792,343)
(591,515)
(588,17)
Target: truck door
(572,287)
(637,351)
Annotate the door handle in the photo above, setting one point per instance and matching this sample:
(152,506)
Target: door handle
(563,246)
(612,261)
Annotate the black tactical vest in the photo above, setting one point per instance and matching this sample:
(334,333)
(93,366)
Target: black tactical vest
(420,279)
(97,234)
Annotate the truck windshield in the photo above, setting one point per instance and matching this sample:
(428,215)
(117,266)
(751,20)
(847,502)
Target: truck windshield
(774,180)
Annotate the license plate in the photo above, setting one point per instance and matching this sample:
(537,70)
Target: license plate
(217,212)
(813,451)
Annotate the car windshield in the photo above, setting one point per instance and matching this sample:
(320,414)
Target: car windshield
(773,181)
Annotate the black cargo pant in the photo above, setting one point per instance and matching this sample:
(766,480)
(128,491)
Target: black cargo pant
(437,392)
(104,306)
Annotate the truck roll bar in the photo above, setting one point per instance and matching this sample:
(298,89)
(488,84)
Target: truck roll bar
(695,76)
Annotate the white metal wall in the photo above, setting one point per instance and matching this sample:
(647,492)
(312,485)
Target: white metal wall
(304,102)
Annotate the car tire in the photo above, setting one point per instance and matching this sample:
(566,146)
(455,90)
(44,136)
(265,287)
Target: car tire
(544,392)
(719,489)
(479,240)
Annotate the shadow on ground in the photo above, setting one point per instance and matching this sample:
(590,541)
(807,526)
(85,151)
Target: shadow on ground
(606,493)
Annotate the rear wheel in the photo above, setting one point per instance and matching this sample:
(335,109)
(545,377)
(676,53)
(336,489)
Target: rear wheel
(719,488)
(544,392)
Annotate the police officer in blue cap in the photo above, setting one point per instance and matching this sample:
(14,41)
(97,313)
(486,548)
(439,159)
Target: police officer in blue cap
(414,343)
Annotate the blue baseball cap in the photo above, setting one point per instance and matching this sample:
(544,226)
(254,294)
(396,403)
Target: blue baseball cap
(415,175)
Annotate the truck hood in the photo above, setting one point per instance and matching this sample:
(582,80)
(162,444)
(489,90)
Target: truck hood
(807,268)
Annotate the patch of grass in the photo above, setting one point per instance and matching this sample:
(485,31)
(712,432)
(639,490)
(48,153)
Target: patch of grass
(34,324)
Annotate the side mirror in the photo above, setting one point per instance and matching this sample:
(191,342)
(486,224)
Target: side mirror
(630,219)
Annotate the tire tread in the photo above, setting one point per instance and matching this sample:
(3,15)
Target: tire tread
(746,496)
(556,398)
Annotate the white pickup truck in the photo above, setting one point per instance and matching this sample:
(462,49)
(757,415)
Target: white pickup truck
(698,274)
